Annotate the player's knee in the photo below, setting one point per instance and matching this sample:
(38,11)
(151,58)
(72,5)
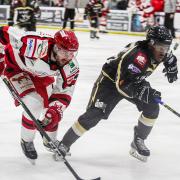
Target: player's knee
(90,118)
(34,102)
(152,111)
(147,121)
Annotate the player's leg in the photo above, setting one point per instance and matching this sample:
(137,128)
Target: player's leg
(66,16)
(145,124)
(96,26)
(28,130)
(72,16)
(27,91)
(103,99)
(92,21)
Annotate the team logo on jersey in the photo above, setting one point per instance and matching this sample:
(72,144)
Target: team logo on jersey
(134,69)
(42,48)
(101,105)
(29,48)
(20,78)
(140,59)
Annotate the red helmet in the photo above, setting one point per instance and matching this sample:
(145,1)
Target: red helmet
(94,1)
(66,40)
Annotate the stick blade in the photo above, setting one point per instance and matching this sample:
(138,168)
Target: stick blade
(98,178)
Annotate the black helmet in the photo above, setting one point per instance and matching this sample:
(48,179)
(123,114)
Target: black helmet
(159,34)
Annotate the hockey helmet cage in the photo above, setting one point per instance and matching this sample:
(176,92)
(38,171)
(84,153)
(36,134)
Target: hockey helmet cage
(66,40)
(159,34)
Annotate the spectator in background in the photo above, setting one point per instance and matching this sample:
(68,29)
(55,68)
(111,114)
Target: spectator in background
(147,19)
(170,9)
(122,4)
(5,2)
(158,5)
(59,3)
(178,6)
(70,12)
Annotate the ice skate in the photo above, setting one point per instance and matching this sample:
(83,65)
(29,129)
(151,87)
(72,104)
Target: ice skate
(96,35)
(63,149)
(92,35)
(103,31)
(47,146)
(139,149)
(29,151)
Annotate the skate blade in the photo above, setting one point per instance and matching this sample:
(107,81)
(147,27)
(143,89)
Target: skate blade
(49,149)
(56,157)
(135,154)
(32,161)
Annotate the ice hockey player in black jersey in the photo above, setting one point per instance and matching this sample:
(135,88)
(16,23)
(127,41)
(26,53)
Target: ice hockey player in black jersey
(93,11)
(124,77)
(23,14)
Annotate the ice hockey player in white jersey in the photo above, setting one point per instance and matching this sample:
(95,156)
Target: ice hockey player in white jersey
(43,69)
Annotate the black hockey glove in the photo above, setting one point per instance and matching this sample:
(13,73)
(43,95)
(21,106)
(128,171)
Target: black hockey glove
(10,22)
(100,14)
(171,69)
(85,16)
(146,94)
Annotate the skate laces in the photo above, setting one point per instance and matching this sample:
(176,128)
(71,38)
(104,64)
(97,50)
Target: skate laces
(140,143)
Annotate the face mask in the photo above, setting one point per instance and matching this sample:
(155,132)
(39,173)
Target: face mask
(164,48)
(62,56)
(160,50)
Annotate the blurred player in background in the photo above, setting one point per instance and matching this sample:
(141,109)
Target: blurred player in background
(93,11)
(147,17)
(70,12)
(23,14)
(104,16)
(170,9)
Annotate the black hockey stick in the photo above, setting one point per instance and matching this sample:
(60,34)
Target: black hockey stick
(167,107)
(55,149)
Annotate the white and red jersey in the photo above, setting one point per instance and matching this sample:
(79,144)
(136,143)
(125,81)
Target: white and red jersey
(146,7)
(178,6)
(147,10)
(31,52)
(1,58)
(105,9)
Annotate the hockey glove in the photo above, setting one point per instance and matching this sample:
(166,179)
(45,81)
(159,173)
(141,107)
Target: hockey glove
(147,95)
(10,22)
(52,117)
(85,17)
(171,69)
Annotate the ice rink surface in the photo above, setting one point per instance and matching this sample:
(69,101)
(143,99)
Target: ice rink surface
(104,150)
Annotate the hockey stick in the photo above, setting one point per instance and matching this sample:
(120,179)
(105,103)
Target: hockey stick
(176,45)
(55,149)
(167,107)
